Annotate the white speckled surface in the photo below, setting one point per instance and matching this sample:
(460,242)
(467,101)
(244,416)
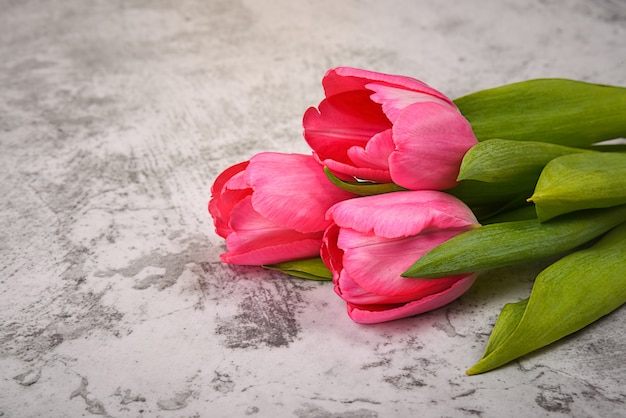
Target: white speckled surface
(116,116)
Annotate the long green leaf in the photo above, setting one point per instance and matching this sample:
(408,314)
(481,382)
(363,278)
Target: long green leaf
(580,181)
(506,243)
(308,268)
(506,161)
(558,111)
(485,199)
(523,213)
(567,296)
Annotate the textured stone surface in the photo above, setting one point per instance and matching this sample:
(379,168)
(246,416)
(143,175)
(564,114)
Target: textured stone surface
(115,117)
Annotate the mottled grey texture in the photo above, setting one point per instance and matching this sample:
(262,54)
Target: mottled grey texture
(115,117)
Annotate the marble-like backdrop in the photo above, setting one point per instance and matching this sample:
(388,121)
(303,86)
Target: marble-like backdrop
(116,116)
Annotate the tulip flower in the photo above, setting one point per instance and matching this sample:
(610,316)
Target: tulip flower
(372,240)
(387,128)
(269,214)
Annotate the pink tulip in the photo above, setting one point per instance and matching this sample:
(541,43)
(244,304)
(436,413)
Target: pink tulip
(387,128)
(272,208)
(374,239)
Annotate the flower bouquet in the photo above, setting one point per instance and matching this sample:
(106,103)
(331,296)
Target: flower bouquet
(408,195)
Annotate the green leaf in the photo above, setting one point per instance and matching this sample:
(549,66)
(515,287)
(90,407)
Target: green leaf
(518,214)
(362,188)
(506,161)
(506,243)
(508,319)
(498,174)
(485,199)
(567,296)
(557,111)
(580,181)
(308,268)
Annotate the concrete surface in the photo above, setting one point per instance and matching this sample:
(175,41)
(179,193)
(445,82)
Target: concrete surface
(116,116)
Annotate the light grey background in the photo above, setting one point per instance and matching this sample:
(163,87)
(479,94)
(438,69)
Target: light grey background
(116,116)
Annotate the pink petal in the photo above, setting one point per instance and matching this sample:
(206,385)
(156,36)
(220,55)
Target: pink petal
(278,253)
(349,172)
(222,207)
(256,240)
(224,199)
(292,190)
(225,176)
(343,120)
(431,141)
(331,255)
(372,314)
(342,79)
(395,99)
(372,267)
(376,152)
(402,214)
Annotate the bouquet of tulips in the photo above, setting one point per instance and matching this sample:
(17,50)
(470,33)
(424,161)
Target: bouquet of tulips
(408,195)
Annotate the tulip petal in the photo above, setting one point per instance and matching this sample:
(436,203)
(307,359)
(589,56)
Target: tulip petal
(330,253)
(221,208)
(295,198)
(431,140)
(273,254)
(376,152)
(226,176)
(374,264)
(374,239)
(372,314)
(342,121)
(223,198)
(401,214)
(395,99)
(256,240)
(342,79)
(349,172)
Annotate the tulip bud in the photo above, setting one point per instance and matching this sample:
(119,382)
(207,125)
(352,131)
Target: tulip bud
(387,129)
(266,214)
(373,239)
